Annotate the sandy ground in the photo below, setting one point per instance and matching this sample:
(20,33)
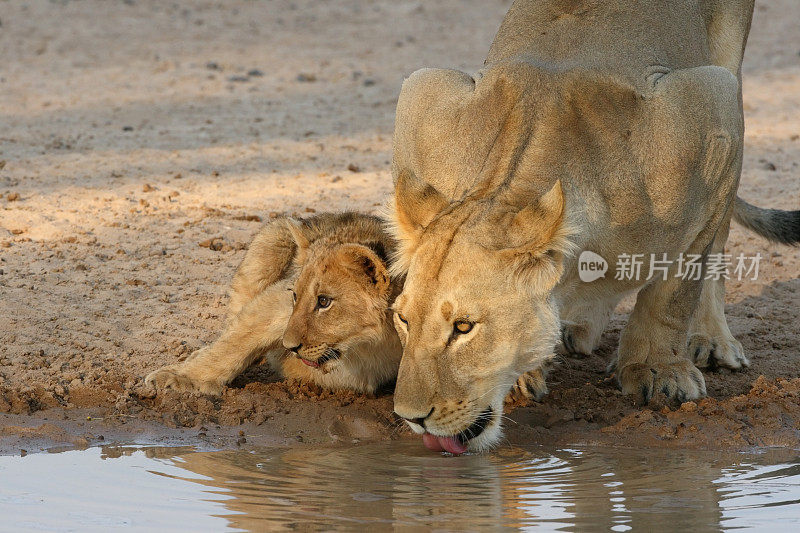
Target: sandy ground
(133,132)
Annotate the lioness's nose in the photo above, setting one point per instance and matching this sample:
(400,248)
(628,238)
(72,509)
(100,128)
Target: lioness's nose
(419,420)
(289,347)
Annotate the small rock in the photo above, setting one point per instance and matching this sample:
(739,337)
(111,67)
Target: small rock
(310,210)
(2,164)
(255,73)
(352,167)
(369,82)
(769,166)
(238,79)
(306,78)
(127,128)
(12,196)
(216,244)
(213,65)
(147,187)
(336,179)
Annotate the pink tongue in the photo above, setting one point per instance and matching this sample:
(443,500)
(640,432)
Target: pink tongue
(443,444)
(310,363)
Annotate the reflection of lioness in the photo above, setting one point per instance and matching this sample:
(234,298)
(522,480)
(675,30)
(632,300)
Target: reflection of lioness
(611,126)
(339,326)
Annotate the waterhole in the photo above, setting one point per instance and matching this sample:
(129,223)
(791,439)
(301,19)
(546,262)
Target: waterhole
(398,485)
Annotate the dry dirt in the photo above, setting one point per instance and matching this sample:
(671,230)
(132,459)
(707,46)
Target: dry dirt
(142,142)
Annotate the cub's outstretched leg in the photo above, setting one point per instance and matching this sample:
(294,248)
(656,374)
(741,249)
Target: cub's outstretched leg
(259,309)
(255,331)
(530,386)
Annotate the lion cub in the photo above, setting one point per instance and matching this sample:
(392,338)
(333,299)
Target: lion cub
(311,297)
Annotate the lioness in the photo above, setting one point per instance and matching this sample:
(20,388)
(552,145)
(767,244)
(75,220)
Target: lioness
(614,127)
(311,296)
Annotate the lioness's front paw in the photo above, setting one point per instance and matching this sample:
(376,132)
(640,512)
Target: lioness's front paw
(679,380)
(530,385)
(171,377)
(711,352)
(578,340)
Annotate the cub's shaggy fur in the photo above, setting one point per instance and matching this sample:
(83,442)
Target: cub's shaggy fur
(312,297)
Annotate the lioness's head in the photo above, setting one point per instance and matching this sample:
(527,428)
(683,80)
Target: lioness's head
(481,251)
(340,301)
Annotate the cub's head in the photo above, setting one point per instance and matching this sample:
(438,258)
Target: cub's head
(340,301)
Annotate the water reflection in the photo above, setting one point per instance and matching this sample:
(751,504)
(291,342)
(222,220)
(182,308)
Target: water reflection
(400,485)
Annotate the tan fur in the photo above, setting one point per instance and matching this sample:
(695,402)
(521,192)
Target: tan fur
(341,256)
(614,127)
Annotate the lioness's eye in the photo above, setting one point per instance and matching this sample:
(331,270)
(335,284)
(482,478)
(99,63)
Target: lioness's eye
(323,301)
(402,318)
(462,326)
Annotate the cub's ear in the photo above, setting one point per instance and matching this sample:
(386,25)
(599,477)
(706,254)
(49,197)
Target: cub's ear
(298,232)
(366,263)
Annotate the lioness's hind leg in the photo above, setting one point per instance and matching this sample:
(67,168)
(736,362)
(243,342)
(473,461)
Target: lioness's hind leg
(711,343)
(583,324)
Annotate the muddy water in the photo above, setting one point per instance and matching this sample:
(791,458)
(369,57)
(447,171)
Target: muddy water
(397,486)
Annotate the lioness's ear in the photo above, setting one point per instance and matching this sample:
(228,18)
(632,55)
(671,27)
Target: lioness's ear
(416,203)
(366,263)
(539,239)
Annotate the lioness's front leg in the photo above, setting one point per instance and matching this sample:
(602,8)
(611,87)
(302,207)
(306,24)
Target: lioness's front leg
(256,329)
(583,323)
(652,347)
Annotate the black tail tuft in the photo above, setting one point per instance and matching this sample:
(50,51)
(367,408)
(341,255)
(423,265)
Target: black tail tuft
(773,224)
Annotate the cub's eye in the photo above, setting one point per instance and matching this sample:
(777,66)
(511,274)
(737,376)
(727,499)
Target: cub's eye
(323,302)
(402,319)
(294,297)
(462,326)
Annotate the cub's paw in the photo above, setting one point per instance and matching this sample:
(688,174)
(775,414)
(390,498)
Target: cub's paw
(712,352)
(530,386)
(578,341)
(172,377)
(679,380)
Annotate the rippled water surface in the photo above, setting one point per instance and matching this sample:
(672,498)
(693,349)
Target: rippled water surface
(398,486)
